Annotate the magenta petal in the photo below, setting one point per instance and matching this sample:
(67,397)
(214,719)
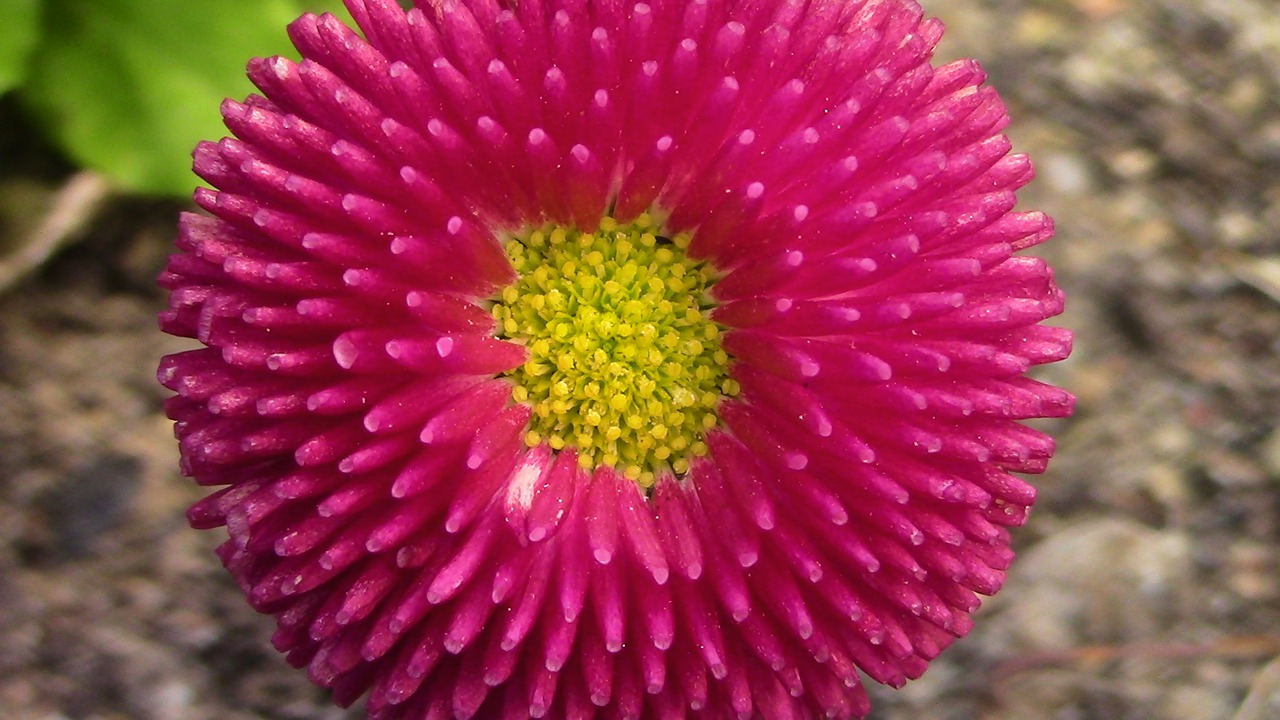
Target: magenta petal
(389,495)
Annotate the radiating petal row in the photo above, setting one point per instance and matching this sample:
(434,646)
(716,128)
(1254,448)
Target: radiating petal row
(378,496)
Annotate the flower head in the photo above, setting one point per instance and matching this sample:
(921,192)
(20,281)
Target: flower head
(582,358)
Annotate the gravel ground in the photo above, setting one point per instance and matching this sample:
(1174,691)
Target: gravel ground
(1147,587)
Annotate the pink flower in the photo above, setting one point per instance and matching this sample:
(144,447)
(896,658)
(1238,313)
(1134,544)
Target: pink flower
(582,358)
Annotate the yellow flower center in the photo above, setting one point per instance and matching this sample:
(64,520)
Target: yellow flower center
(624,363)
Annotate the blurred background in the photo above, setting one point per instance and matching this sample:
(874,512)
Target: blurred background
(1148,584)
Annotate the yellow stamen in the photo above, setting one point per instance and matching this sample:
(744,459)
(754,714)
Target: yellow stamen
(624,363)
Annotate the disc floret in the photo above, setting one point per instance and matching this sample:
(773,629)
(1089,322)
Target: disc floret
(624,363)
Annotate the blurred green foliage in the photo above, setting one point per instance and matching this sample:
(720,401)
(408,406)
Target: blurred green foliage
(128,87)
(17,38)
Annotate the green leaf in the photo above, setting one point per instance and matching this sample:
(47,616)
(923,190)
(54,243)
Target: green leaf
(128,87)
(18,37)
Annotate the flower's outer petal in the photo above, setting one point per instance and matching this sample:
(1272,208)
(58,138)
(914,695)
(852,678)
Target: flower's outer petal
(857,204)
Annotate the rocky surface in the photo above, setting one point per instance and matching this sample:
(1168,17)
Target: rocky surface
(1148,584)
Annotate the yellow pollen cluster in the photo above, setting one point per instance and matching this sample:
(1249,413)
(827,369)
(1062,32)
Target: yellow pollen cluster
(624,364)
